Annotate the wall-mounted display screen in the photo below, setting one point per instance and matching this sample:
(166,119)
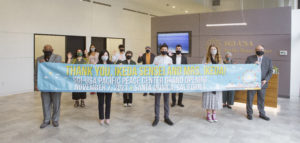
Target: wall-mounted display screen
(175,38)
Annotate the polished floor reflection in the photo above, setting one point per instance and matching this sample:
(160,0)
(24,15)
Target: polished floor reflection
(21,116)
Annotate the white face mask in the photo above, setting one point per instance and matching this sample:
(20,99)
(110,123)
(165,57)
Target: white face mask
(213,51)
(104,58)
(93,49)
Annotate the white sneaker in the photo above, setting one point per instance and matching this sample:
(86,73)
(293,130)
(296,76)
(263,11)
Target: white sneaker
(129,104)
(209,119)
(214,117)
(125,105)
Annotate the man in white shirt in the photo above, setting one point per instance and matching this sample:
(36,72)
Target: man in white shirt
(119,56)
(162,59)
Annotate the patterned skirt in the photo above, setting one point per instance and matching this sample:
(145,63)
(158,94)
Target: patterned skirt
(212,101)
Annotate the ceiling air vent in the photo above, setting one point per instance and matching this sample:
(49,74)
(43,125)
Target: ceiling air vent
(86,0)
(131,10)
(216,2)
(100,3)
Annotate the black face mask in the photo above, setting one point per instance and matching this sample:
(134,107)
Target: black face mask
(147,51)
(178,52)
(128,57)
(47,53)
(260,53)
(164,52)
(122,50)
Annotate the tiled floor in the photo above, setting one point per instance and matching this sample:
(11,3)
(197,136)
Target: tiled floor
(21,115)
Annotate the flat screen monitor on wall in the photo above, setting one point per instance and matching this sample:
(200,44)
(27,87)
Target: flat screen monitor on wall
(174,38)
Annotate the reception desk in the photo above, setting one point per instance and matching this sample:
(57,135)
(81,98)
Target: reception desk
(271,93)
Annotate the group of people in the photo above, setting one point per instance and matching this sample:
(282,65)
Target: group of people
(211,101)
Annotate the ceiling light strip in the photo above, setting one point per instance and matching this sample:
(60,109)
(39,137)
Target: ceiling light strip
(226,24)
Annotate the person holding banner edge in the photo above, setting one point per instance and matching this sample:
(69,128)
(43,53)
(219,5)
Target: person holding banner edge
(104,97)
(266,74)
(50,99)
(146,58)
(178,59)
(212,101)
(162,59)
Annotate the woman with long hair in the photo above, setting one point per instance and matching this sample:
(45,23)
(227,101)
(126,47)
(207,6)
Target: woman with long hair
(93,57)
(212,101)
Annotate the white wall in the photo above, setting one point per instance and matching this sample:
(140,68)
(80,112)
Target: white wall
(295,58)
(20,19)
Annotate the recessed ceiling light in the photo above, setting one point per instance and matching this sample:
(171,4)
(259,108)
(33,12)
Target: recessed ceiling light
(186,11)
(173,6)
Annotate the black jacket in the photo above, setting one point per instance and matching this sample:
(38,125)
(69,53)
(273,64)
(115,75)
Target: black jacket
(125,62)
(183,59)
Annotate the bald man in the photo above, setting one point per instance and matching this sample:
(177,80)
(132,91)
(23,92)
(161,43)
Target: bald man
(50,99)
(266,74)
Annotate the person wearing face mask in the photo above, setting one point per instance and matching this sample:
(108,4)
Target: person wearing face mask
(127,97)
(266,74)
(178,59)
(49,99)
(79,59)
(146,58)
(162,59)
(228,96)
(212,101)
(104,98)
(119,56)
(93,57)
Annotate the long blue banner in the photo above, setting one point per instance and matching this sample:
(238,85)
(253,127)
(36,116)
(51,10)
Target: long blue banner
(60,77)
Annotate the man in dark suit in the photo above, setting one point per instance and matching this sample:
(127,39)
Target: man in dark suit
(178,59)
(266,74)
(147,58)
(50,99)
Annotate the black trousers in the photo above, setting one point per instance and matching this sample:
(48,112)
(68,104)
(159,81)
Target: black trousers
(228,97)
(179,98)
(104,97)
(127,98)
(78,95)
(149,93)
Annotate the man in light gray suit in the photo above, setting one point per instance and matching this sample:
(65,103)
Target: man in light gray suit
(49,99)
(266,74)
